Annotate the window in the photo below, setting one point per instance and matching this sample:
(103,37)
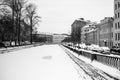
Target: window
(112,34)
(112,25)
(116,36)
(115,25)
(115,6)
(118,25)
(111,43)
(118,15)
(118,4)
(115,16)
(119,44)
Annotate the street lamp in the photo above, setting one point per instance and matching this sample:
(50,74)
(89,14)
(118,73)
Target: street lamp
(105,42)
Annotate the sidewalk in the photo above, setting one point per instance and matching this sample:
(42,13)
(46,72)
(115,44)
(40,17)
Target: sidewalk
(9,49)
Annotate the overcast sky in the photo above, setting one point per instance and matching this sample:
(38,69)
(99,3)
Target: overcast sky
(58,15)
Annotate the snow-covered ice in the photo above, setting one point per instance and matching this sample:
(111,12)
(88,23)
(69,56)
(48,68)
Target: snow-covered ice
(47,62)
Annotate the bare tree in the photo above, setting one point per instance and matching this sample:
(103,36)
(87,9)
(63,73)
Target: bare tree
(16,8)
(9,3)
(32,17)
(5,22)
(18,11)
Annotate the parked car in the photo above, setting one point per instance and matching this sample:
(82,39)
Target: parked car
(95,48)
(106,50)
(83,46)
(115,50)
(77,45)
(2,45)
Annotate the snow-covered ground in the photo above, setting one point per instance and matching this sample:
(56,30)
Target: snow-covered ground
(114,73)
(47,62)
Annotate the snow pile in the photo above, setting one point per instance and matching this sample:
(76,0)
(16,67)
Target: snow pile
(83,46)
(105,49)
(95,48)
(92,47)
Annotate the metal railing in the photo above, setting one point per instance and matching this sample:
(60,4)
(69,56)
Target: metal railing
(113,61)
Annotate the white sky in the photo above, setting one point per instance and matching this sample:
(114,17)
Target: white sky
(58,15)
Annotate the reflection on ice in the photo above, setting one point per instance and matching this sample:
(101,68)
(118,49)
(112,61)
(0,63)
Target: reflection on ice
(47,57)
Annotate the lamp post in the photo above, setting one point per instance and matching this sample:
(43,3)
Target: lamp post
(105,43)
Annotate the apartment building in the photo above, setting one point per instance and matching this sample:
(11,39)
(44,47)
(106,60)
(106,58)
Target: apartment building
(76,29)
(83,33)
(116,25)
(89,34)
(105,32)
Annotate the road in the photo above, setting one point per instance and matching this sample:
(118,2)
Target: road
(46,62)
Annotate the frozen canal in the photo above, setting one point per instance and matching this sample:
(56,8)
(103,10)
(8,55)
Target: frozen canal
(47,62)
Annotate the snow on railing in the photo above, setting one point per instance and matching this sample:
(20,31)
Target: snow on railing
(110,60)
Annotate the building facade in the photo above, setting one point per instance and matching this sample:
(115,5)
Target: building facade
(106,32)
(48,38)
(89,34)
(58,38)
(100,34)
(76,29)
(116,25)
